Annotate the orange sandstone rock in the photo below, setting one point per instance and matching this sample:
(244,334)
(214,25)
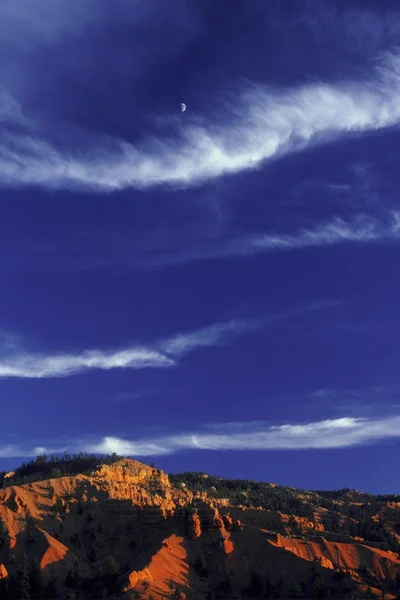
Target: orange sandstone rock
(194,525)
(228,546)
(228,521)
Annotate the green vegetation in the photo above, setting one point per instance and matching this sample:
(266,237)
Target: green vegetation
(155,486)
(342,517)
(35,580)
(28,583)
(53,467)
(296,589)
(4,537)
(255,587)
(51,591)
(247,493)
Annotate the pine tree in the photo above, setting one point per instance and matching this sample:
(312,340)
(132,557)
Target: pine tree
(3,589)
(255,588)
(111,574)
(97,588)
(76,576)
(50,591)
(23,579)
(93,556)
(4,536)
(35,579)
(12,589)
(277,588)
(73,579)
(68,581)
(292,522)
(315,567)
(268,588)
(318,588)
(295,590)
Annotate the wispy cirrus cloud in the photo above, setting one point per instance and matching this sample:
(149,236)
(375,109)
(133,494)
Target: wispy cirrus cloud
(160,354)
(262,124)
(359,29)
(217,333)
(15,451)
(330,433)
(18,363)
(362,229)
(342,432)
(38,366)
(375,400)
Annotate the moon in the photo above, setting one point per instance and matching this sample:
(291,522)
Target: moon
(183,107)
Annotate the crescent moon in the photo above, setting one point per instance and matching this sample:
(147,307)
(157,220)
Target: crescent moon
(183,107)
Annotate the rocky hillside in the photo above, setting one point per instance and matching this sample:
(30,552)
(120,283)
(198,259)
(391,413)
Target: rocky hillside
(125,529)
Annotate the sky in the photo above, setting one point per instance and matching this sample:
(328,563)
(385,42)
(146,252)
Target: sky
(217,289)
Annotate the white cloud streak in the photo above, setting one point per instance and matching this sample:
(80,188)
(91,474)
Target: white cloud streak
(164,353)
(161,354)
(336,433)
(15,451)
(39,366)
(265,124)
(209,336)
(362,229)
(331,433)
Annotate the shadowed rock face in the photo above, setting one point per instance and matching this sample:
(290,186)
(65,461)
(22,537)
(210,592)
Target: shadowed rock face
(126,529)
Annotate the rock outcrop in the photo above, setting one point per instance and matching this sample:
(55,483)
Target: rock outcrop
(228,521)
(217,521)
(137,577)
(165,539)
(194,525)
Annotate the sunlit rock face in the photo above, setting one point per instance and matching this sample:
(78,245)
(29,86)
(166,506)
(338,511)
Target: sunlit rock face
(162,536)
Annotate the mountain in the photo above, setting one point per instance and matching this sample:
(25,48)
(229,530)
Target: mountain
(84,527)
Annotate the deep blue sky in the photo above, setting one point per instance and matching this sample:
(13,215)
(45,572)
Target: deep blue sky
(217,289)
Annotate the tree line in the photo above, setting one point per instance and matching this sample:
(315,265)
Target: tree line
(44,467)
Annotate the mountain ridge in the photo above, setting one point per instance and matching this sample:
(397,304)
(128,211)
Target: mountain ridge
(126,529)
